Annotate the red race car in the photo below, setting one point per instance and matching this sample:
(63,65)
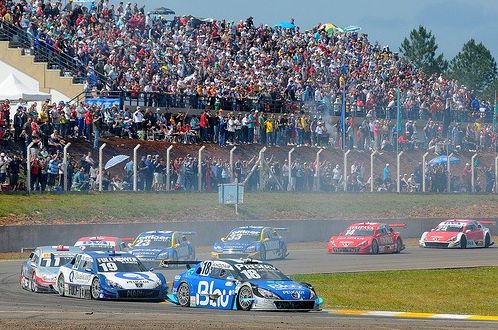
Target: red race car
(458,234)
(367,238)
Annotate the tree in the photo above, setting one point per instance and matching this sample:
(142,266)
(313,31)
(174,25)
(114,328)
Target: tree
(475,68)
(420,48)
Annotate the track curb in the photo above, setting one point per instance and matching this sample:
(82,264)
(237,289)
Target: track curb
(412,315)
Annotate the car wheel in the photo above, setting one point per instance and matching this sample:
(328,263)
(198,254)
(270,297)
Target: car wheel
(375,247)
(399,245)
(32,283)
(463,242)
(192,254)
(244,298)
(60,285)
(95,288)
(487,240)
(22,280)
(262,253)
(283,252)
(183,295)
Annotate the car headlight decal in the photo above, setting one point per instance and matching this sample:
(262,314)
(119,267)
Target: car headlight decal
(266,294)
(250,249)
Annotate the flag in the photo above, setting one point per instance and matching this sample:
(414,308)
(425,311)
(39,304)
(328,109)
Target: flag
(399,127)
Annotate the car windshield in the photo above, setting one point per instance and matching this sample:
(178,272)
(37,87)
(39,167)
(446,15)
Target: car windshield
(153,241)
(55,260)
(359,231)
(120,264)
(246,272)
(450,227)
(243,235)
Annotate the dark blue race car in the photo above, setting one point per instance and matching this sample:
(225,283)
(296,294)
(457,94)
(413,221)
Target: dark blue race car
(262,243)
(243,285)
(153,246)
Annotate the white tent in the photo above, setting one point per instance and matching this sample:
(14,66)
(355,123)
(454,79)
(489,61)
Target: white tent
(13,89)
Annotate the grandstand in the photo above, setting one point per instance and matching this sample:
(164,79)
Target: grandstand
(183,80)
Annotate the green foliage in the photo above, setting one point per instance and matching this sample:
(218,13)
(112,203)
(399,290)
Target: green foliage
(475,67)
(420,48)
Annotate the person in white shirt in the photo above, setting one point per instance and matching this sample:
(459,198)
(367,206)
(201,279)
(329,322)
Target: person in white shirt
(138,118)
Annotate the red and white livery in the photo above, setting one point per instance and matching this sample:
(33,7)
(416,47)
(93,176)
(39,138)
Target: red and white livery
(103,243)
(458,233)
(367,238)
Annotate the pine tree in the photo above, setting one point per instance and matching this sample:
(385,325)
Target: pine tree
(475,68)
(420,48)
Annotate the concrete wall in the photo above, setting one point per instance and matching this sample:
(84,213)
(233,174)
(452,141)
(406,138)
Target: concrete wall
(13,238)
(47,79)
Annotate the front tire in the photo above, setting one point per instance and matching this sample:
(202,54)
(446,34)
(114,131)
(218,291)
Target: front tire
(463,242)
(375,247)
(32,283)
(487,241)
(183,295)
(95,289)
(61,285)
(262,253)
(244,298)
(283,252)
(399,245)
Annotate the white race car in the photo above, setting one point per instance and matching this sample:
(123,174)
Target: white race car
(458,234)
(110,275)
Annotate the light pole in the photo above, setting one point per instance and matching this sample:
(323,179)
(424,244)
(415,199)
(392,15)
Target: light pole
(28,167)
(424,170)
(398,183)
(372,170)
(231,164)
(290,185)
(448,164)
(317,170)
(199,169)
(345,181)
(472,176)
(135,165)
(168,168)
(101,152)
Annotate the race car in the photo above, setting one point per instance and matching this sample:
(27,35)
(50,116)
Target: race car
(110,275)
(367,238)
(153,246)
(39,272)
(241,284)
(103,243)
(259,242)
(458,234)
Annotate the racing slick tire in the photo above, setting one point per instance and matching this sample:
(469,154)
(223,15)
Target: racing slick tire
(487,241)
(183,295)
(244,298)
(32,283)
(399,245)
(463,242)
(375,247)
(60,285)
(95,289)
(22,281)
(262,253)
(283,252)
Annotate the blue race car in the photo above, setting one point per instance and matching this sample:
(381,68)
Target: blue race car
(257,242)
(110,275)
(241,285)
(153,246)
(39,272)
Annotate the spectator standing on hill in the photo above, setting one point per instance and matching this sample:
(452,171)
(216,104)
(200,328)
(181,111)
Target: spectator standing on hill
(387,175)
(14,169)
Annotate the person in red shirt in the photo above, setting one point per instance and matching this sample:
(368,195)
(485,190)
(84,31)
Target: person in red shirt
(204,125)
(88,124)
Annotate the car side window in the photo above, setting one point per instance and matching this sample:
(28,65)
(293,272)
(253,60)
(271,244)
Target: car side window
(86,264)
(76,261)
(35,259)
(220,273)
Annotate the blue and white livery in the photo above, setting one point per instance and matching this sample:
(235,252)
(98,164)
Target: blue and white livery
(257,242)
(241,285)
(153,246)
(110,275)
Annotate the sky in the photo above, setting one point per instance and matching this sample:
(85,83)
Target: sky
(453,22)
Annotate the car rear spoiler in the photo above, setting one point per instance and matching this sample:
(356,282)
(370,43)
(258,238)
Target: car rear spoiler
(281,229)
(487,222)
(397,225)
(188,263)
(186,232)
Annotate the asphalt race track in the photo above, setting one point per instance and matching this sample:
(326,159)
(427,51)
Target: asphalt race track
(17,305)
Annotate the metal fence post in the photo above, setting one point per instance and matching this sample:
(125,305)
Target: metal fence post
(398,181)
(496,174)
(424,170)
(261,159)
(135,166)
(448,169)
(168,168)
(473,189)
(317,170)
(231,164)
(28,167)
(101,155)
(199,169)
(372,170)
(345,177)
(64,164)
(290,185)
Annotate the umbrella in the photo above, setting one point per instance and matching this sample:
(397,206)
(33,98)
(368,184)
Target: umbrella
(285,25)
(115,161)
(162,11)
(352,28)
(443,159)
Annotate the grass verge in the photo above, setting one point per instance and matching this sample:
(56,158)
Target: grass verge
(155,207)
(460,291)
